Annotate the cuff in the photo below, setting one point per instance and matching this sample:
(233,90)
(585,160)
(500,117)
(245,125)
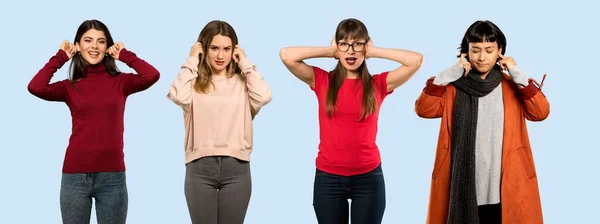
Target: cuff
(433,89)
(62,57)
(530,90)
(126,56)
(191,63)
(246,66)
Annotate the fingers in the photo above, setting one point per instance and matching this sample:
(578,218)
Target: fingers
(113,52)
(467,67)
(501,56)
(119,46)
(64,45)
(72,50)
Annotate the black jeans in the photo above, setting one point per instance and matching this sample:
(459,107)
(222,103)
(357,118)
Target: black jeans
(367,192)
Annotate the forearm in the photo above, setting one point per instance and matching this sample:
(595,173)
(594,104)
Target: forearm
(298,54)
(449,75)
(404,57)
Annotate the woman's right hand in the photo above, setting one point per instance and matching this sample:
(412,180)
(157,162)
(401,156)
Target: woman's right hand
(465,64)
(68,48)
(334,48)
(196,50)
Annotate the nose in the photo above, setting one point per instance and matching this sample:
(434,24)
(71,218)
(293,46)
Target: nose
(220,54)
(351,50)
(480,57)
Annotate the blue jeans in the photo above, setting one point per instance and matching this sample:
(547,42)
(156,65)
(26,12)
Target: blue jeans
(109,189)
(367,192)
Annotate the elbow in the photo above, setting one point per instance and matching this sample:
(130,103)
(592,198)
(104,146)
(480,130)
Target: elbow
(269,97)
(155,76)
(426,112)
(419,60)
(266,99)
(36,91)
(260,100)
(179,99)
(540,116)
(422,114)
(284,55)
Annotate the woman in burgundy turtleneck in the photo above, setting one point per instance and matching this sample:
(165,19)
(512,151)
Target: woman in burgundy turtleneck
(95,93)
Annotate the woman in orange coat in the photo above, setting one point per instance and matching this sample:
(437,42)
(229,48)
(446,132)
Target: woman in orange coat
(484,170)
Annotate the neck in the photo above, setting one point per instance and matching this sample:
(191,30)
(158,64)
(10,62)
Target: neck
(220,74)
(96,69)
(352,75)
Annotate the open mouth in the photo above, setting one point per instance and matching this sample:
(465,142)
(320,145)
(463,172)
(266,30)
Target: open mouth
(220,63)
(94,54)
(351,60)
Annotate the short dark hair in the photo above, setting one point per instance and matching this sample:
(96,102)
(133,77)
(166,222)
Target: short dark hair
(482,31)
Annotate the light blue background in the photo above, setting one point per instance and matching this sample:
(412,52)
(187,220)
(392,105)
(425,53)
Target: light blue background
(559,39)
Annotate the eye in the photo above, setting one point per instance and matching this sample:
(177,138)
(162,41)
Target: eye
(87,41)
(227,49)
(214,48)
(343,44)
(360,44)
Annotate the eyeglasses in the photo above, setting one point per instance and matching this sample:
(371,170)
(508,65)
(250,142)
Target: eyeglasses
(357,46)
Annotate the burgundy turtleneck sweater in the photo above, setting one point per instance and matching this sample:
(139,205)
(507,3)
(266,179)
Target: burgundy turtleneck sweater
(97,105)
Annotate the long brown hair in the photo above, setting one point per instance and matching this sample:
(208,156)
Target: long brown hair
(354,29)
(213,28)
(78,64)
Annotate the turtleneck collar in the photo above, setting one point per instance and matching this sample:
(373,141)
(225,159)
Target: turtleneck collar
(97,69)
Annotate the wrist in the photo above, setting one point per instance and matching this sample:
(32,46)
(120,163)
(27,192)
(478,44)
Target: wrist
(245,64)
(332,51)
(371,51)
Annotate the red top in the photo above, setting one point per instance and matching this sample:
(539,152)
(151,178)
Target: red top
(97,105)
(347,145)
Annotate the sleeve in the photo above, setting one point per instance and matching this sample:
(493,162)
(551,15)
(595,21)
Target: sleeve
(430,103)
(259,92)
(181,90)
(146,77)
(321,79)
(40,86)
(380,83)
(537,107)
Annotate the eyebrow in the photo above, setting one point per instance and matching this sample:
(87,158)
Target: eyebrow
(101,38)
(353,42)
(480,47)
(218,46)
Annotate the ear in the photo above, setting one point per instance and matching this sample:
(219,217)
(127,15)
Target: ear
(76,47)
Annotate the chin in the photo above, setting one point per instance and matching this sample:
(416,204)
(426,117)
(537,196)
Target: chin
(351,67)
(482,71)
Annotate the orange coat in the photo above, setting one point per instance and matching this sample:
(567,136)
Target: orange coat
(519,188)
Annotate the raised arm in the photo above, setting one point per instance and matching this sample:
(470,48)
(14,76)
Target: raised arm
(40,86)
(411,62)
(293,58)
(537,107)
(146,76)
(430,103)
(181,90)
(259,92)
